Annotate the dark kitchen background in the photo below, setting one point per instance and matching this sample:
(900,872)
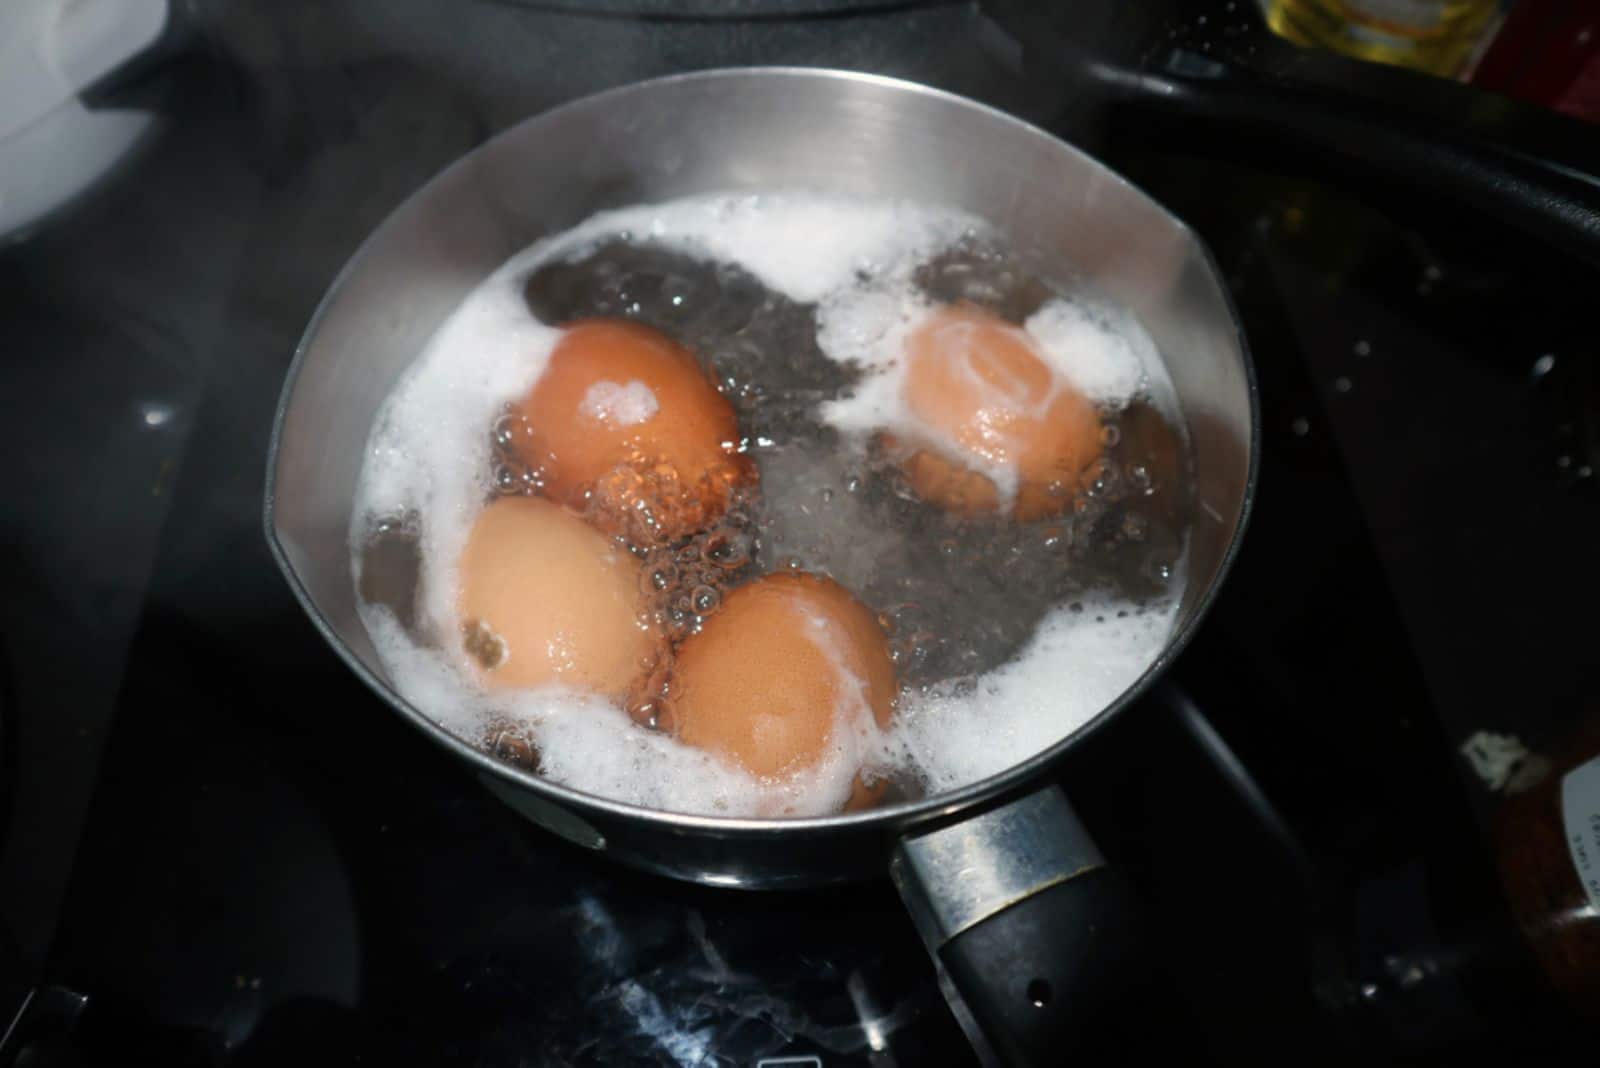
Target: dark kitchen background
(216,847)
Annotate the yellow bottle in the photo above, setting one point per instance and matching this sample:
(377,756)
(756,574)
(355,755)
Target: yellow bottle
(1438,36)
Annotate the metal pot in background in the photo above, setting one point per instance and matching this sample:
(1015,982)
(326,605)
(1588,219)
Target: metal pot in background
(1024,919)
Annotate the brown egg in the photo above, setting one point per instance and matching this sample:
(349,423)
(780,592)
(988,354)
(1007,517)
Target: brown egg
(987,399)
(765,681)
(546,598)
(626,427)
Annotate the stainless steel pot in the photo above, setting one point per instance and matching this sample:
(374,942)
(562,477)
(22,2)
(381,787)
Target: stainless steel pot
(998,875)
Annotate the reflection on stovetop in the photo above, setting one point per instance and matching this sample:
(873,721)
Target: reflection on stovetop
(331,880)
(301,874)
(276,867)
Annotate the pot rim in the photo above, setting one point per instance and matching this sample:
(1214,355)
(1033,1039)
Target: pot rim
(899,814)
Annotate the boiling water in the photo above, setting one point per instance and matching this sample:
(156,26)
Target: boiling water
(1006,635)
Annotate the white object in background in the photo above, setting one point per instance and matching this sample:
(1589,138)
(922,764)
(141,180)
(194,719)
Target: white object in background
(52,147)
(1580,814)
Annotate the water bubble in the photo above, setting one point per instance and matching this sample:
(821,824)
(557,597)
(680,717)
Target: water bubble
(612,289)
(507,480)
(646,713)
(1110,435)
(395,524)
(680,620)
(1107,482)
(704,600)
(1342,384)
(513,750)
(726,551)
(676,292)
(663,576)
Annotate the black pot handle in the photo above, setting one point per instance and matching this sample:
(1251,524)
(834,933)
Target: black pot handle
(1535,171)
(1110,69)
(1033,935)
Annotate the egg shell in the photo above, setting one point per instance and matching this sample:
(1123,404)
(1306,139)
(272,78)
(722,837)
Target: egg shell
(987,401)
(624,425)
(544,598)
(768,678)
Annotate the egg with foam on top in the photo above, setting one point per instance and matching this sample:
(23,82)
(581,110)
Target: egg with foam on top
(791,667)
(995,429)
(624,425)
(545,599)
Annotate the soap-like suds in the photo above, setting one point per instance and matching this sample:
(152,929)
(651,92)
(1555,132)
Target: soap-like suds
(429,457)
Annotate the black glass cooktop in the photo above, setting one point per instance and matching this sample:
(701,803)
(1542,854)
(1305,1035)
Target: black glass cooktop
(219,848)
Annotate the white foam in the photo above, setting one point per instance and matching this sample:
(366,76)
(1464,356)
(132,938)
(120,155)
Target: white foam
(1076,664)
(429,455)
(589,744)
(868,327)
(1100,349)
(429,452)
(422,675)
(803,245)
(619,404)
